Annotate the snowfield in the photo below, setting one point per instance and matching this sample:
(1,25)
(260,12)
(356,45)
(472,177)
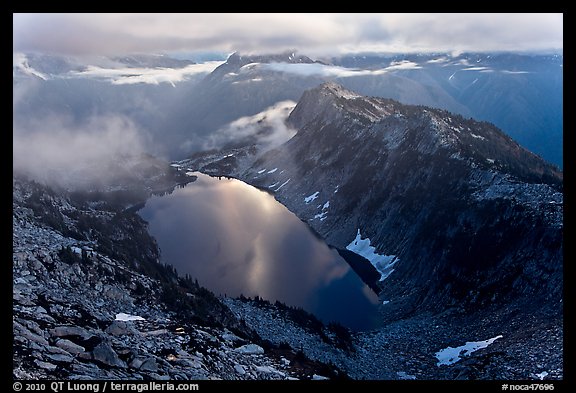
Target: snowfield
(451,355)
(382,263)
(127,317)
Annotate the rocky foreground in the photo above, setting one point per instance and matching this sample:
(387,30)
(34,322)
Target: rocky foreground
(531,346)
(94,303)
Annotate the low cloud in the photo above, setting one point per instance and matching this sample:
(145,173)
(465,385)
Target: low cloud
(20,62)
(316,69)
(55,150)
(155,76)
(268,128)
(402,65)
(330,71)
(439,60)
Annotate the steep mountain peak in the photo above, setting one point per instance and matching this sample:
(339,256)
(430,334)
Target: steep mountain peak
(421,129)
(336,90)
(330,101)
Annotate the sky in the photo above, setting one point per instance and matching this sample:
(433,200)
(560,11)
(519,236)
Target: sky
(310,34)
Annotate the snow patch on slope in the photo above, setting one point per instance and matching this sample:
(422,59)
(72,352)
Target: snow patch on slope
(451,355)
(310,198)
(127,317)
(322,216)
(282,185)
(382,263)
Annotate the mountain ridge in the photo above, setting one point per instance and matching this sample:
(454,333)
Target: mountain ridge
(476,248)
(471,244)
(421,184)
(381,165)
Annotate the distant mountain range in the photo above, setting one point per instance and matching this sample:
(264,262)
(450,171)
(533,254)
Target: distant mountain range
(521,94)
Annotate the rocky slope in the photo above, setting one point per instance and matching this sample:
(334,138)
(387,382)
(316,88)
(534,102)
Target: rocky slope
(454,204)
(462,208)
(530,347)
(92,301)
(464,225)
(520,93)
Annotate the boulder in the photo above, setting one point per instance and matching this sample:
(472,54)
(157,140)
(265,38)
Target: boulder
(65,331)
(104,353)
(27,334)
(250,349)
(45,365)
(58,357)
(69,346)
(121,328)
(149,365)
(239,369)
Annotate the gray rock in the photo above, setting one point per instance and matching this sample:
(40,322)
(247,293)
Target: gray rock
(149,365)
(58,357)
(17,297)
(230,337)
(159,377)
(189,363)
(57,350)
(40,310)
(156,332)
(136,363)
(269,370)
(27,334)
(115,293)
(85,355)
(64,331)
(121,328)
(33,326)
(105,354)
(69,346)
(250,349)
(35,346)
(239,369)
(45,365)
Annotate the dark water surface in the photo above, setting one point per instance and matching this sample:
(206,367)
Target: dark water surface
(236,239)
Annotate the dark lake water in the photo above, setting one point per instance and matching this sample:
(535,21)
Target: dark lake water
(236,239)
